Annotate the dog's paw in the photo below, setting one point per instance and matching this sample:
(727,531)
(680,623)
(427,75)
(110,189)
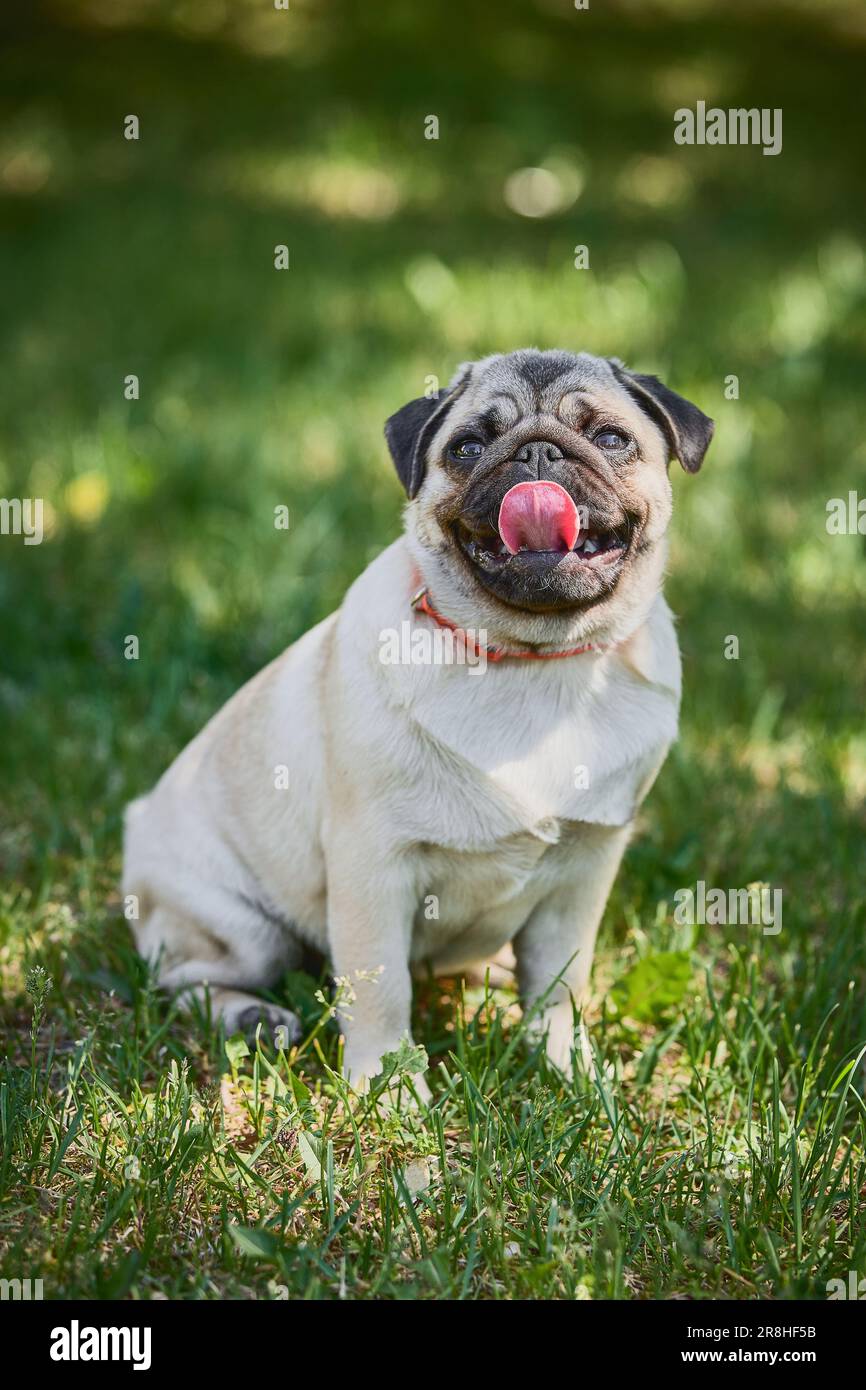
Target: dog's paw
(281,1024)
(567,1047)
(403,1093)
(408,1093)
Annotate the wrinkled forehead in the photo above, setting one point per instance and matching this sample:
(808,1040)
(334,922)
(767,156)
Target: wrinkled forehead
(508,389)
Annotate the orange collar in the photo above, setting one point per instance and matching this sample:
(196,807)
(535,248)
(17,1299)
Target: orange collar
(421,603)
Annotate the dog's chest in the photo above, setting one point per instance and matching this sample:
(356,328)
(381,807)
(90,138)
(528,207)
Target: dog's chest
(496,760)
(488,893)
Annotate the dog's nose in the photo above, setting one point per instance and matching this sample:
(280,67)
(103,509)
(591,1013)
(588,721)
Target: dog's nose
(537,453)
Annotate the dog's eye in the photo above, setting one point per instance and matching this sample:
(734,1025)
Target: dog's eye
(467,449)
(609,439)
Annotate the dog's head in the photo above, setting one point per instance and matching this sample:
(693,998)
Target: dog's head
(539,495)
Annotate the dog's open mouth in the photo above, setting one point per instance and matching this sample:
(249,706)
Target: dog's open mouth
(487,549)
(541,523)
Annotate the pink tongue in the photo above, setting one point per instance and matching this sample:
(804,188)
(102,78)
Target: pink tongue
(538,516)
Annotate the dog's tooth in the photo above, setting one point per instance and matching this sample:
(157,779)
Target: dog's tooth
(590,546)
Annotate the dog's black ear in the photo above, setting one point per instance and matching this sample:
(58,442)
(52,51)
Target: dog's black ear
(406,433)
(688,430)
(410,430)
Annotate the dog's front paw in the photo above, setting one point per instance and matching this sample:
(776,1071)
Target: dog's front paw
(401,1092)
(567,1045)
(409,1091)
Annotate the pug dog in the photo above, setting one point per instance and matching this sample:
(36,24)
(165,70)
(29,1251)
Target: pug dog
(401,805)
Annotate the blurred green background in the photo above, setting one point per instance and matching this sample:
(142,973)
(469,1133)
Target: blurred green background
(258,387)
(306,128)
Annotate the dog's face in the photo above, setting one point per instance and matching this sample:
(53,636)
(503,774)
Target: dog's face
(540,485)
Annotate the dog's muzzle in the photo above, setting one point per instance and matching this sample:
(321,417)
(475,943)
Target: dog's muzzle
(547,550)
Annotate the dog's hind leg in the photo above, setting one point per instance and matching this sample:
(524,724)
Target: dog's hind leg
(242,1013)
(202,967)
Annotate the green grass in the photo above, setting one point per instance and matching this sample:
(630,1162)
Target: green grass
(720,1149)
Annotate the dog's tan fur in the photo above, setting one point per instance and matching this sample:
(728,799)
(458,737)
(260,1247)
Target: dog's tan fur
(419,785)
